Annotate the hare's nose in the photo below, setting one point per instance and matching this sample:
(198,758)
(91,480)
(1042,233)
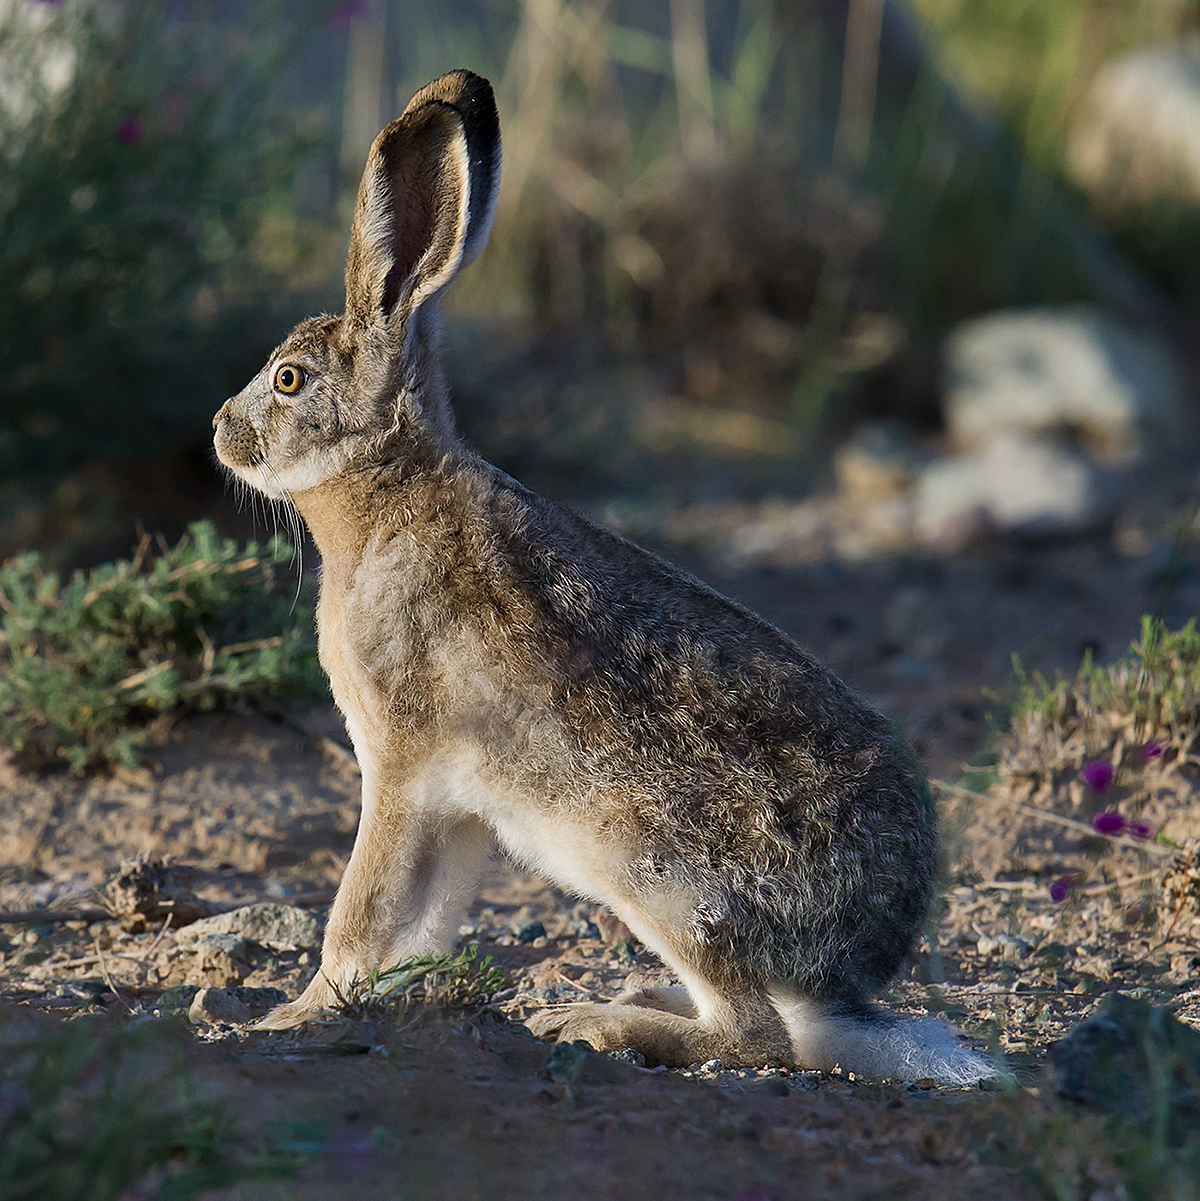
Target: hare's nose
(220,414)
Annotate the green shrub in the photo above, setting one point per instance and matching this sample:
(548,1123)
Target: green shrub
(459,980)
(90,669)
(1139,716)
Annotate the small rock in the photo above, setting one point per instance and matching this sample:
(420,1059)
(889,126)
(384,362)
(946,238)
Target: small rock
(628,1055)
(876,464)
(529,931)
(258,1000)
(582,927)
(178,999)
(613,931)
(233,945)
(212,1005)
(578,1063)
(564,1063)
(1009,945)
(348,1037)
(1113,1059)
(269,924)
(1070,370)
(713,1065)
(1185,966)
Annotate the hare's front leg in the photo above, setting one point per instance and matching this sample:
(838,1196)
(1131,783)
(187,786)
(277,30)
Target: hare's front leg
(410,878)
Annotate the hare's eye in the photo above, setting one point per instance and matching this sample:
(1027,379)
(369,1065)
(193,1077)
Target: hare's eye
(289,379)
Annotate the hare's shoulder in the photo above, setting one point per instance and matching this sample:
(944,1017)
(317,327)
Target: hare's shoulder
(589,577)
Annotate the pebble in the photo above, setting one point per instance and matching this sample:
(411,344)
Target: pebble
(529,931)
(213,1005)
(628,1055)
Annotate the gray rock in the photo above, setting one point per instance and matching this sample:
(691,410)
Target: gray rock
(578,1063)
(528,931)
(178,999)
(1071,370)
(212,1005)
(353,1036)
(565,1061)
(258,1000)
(1011,946)
(628,1055)
(1016,484)
(233,1006)
(233,945)
(271,925)
(1136,1060)
(342,1036)
(1137,136)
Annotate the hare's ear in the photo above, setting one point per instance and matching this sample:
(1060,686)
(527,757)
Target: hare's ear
(426,200)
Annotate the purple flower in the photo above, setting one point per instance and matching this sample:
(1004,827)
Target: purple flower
(1141,829)
(346,13)
(1097,775)
(1110,822)
(1152,751)
(1060,889)
(129,132)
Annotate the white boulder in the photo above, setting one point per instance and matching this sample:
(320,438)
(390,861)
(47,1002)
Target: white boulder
(1016,484)
(1072,371)
(1137,137)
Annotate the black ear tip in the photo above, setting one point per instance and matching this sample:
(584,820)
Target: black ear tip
(467,92)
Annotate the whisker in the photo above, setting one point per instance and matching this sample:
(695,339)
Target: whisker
(295,530)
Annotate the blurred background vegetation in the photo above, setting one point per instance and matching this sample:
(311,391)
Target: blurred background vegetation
(727,229)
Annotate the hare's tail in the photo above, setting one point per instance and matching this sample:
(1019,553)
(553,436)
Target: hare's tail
(878,1045)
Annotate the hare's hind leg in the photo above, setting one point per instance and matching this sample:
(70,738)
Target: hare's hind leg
(405,889)
(748,1033)
(721,1013)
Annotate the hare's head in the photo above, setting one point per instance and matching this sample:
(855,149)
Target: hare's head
(346,391)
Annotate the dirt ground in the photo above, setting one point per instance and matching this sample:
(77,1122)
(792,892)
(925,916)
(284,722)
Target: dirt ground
(463,1105)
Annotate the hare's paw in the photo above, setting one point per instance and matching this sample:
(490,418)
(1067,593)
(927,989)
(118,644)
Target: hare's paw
(594,1023)
(549,1023)
(316,1002)
(660,1037)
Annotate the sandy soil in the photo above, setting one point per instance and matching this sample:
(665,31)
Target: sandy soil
(461,1105)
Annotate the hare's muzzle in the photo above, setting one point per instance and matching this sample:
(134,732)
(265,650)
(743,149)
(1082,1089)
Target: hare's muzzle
(236,439)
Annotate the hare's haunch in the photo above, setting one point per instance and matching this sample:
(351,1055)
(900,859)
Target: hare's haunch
(509,671)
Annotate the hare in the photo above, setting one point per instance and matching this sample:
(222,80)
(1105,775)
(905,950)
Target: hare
(509,671)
